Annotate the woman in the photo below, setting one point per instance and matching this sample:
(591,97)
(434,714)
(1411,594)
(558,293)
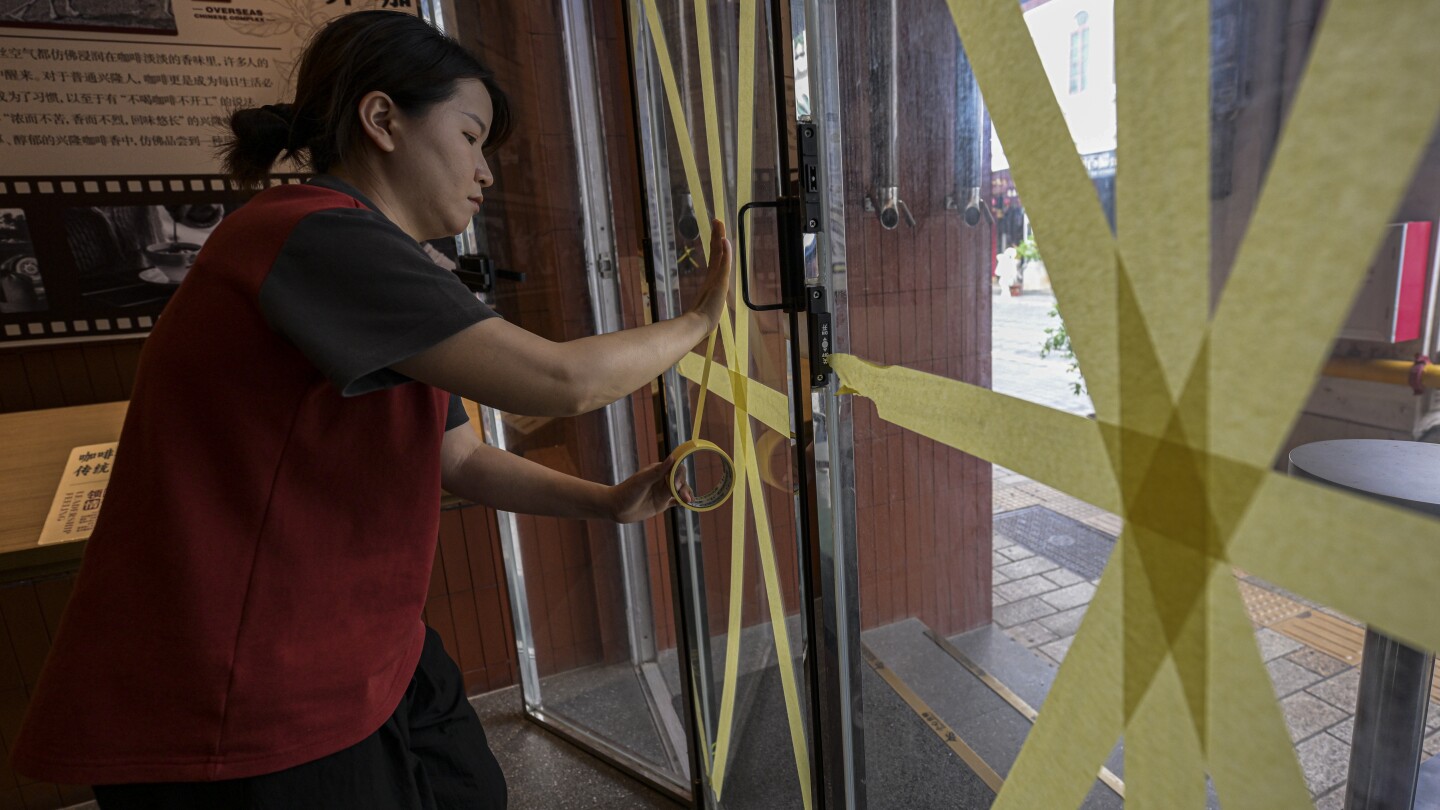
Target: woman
(245,630)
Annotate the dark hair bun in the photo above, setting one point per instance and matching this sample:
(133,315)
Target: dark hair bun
(260,135)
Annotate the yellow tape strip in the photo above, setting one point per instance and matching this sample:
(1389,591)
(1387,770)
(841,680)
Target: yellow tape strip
(1083,716)
(1163,762)
(692,172)
(704,383)
(1250,756)
(764,403)
(705,55)
(677,120)
(738,517)
(702,215)
(1379,565)
(722,490)
(785,660)
(1163,130)
(1063,450)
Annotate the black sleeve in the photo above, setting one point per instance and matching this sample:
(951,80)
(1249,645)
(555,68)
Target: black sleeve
(457,416)
(356,295)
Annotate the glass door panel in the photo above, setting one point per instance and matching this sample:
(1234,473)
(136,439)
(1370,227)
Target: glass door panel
(1048,553)
(705,99)
(967,580)
(590,600)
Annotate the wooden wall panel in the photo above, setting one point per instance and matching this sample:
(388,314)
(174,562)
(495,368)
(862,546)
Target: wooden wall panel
(55,377)
(919,297)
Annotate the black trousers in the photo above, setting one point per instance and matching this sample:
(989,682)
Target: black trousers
(430,755)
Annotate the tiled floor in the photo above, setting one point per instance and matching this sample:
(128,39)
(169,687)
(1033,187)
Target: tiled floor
(544,771)
(1041,604)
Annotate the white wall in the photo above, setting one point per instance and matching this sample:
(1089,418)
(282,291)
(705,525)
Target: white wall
(1090,113)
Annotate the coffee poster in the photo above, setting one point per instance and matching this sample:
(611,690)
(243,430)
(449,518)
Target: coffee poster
(111,115)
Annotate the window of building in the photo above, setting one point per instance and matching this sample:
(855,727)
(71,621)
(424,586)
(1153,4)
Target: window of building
(1080,53)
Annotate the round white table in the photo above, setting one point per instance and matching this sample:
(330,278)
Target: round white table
(1394,677)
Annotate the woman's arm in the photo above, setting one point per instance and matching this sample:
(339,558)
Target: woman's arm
(516,371)
(490,476)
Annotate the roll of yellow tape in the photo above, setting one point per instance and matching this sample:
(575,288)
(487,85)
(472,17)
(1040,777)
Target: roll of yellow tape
(716,496)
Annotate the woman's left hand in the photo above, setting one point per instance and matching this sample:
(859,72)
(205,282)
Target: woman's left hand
(645,494)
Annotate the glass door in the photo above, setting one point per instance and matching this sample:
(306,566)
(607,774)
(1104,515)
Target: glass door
(559,250)
(1063,564)
(716,125)
(679,652)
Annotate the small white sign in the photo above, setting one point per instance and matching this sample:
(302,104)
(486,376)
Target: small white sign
(77,500)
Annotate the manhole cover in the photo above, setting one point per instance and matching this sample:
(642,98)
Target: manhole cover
(1064,541)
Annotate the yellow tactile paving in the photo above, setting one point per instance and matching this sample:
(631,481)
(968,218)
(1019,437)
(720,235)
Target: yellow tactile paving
(1010,499)
(1106,522)
(1332,636)
(1267,607)
(1328,634)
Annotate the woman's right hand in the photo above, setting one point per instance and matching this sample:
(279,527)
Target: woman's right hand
(712,298)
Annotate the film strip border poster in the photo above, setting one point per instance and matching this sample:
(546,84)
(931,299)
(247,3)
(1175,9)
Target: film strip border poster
(85,259)
(111,113)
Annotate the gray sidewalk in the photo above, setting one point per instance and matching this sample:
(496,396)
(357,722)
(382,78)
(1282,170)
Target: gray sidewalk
(1017,331)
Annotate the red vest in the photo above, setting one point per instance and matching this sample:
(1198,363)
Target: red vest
(250,599)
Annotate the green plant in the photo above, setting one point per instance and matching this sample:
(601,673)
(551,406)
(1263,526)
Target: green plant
(1057,340)
(1027,252)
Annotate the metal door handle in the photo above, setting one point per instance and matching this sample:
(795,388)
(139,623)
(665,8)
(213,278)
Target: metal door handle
(744,265)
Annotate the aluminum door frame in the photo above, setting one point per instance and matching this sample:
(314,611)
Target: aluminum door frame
(840,707)
(698,696)
(601,270)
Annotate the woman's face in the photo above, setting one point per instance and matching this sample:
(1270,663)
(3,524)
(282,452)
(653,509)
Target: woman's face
(437,170)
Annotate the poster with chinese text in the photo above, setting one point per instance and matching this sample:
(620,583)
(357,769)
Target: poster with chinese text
(111,112)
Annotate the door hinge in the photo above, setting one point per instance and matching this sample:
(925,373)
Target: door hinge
(818,317)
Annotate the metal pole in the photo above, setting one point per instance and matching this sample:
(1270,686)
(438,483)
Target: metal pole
(1391,372)
(888,34)
(1390,710)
